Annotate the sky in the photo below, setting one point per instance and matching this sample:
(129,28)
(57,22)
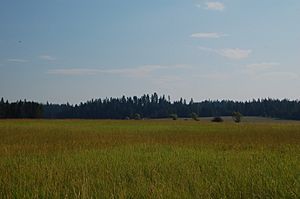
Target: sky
(75,50)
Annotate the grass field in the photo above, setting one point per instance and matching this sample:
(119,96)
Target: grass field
(149,159)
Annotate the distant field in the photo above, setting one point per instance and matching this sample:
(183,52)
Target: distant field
(149,159)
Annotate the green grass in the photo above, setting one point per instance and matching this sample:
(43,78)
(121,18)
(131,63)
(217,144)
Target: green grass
(149,159)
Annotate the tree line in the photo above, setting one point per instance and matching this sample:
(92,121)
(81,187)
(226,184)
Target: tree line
(20,109)
(151,106)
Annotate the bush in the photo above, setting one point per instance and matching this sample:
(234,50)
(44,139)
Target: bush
(237,117)
(137,116)
(217,119)
(194,116)
(173,116)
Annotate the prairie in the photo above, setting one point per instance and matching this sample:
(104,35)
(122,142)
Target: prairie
(149,159)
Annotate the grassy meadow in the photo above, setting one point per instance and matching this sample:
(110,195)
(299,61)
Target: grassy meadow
(149,159)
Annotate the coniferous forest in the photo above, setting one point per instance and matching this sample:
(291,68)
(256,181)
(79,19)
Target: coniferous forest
(150,106)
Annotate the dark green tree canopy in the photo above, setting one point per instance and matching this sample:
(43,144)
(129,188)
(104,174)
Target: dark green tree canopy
(150,106)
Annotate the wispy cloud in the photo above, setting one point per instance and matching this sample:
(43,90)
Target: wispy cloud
(47,57)
(215,76)
(17,60)
(168,79)
(208,35)
(279,76)
(235,53)
(212,5)
(141,71)
(261,66)
(230,53)
(73,71)
(257,69)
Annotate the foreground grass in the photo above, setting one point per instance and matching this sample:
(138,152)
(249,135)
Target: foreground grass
(148,159)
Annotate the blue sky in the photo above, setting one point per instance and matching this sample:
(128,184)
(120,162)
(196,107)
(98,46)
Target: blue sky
(75,50)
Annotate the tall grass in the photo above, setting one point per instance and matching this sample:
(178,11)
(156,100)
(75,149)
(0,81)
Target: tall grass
(148,159)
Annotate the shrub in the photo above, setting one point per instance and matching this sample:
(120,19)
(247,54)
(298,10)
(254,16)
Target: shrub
(194,116)
(173,116)
(217,119)
(137,116)
(237,117)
